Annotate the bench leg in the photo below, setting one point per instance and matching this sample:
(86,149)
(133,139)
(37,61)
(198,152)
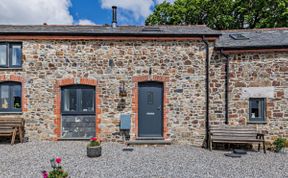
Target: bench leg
(21,135)
(210,145)
(264,149)
(258,147)
(13,137)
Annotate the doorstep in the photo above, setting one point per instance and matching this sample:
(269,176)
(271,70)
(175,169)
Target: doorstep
(149,142)
(149,138)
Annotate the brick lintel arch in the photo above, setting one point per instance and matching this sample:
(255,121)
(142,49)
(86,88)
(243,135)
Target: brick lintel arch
(147,78)
(18,79)
(57,101)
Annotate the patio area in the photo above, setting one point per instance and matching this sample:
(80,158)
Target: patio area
(29,159)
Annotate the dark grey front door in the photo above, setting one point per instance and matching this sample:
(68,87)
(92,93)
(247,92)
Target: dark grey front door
(150,106)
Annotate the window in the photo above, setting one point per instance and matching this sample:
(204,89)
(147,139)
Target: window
(238,36)
(78,100)
(78,112)
(151,29)
(10,55)
(257,109)
(10,97)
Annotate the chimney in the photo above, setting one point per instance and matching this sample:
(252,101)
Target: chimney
(114,16)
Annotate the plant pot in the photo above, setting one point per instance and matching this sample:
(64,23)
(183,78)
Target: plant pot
(94,151)
(283,151)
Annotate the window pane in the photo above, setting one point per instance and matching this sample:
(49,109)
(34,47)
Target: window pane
(16,55)
(4,96)
(3,54)
(257,109)
(87,100)
(16,96)
(70,99)
(150,97)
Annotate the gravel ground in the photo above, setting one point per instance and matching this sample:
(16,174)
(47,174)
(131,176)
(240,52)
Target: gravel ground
(29,159)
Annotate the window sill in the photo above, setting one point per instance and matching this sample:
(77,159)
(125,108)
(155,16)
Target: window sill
(256,122)
(11,68)
(18,113)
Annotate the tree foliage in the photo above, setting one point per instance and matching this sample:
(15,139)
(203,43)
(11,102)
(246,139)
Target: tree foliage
(222,14)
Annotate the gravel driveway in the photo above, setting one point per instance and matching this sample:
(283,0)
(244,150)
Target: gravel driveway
(29,159)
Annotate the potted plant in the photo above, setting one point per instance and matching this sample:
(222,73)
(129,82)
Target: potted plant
(57,172)
(279,144)
(94,148)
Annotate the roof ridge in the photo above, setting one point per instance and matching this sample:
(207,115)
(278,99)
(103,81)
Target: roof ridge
(101,25)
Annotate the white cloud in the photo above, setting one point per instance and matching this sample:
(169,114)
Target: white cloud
(138,8)
(132,10)
(57,11)
(85,22)
(35,12)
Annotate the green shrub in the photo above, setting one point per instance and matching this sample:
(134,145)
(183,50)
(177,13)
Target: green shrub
(279,143)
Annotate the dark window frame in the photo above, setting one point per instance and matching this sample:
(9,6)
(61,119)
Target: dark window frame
(10,98)
(263,110)
(9,51)
(78,99)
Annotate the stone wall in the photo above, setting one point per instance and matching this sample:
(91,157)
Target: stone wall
(251,75)
(46,62)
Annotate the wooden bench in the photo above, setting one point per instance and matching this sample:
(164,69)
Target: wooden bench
(235,134)
(12,127)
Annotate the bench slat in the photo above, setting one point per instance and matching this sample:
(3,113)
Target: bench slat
(233,138)
(6,131)
(6,127)
(11,122)
(11,119)
(237,141)
(16,124)
(232,131)
(233,134)
(6,135)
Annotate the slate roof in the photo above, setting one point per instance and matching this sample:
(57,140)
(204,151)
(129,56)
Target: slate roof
(258,38)
(193,30)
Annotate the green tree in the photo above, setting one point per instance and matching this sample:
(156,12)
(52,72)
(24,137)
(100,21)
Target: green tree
(222,14)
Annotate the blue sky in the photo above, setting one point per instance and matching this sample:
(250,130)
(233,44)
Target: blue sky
(83,12)
(91,9)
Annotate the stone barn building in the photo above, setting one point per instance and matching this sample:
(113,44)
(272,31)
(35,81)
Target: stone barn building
(169,82)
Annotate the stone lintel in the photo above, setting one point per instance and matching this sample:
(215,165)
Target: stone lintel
(257,92)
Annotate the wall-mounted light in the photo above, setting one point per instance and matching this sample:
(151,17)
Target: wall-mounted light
(122,90)
(150,70)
